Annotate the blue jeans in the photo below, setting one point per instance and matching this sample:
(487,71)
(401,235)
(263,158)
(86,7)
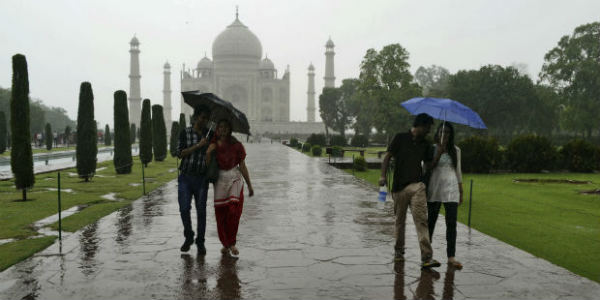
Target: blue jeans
(190,186)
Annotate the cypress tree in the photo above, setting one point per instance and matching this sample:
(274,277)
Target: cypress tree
(21,159)
(181,123)
(122,159)
(107,137)
(67,135)
(3,137)
(146,133)
(174,138)
(49,136)
(87,147)
(159,133)
(132,132)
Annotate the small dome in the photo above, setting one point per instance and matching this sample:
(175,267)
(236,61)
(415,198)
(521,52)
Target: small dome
(237,41)
(329,43)
(311,67)
(134,41)
(167,65)
(267,64)
(205,63)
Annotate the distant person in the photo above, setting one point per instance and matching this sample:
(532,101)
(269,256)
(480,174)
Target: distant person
(193,142)
(410,150)
(229,188)
(445,186)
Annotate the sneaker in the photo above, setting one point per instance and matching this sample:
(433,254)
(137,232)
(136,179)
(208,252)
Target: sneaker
(432,263)
(186,245)
(201,249)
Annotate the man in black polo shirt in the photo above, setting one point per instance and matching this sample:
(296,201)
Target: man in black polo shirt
(410,150)
(193,142)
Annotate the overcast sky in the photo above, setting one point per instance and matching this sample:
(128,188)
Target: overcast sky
(67,42)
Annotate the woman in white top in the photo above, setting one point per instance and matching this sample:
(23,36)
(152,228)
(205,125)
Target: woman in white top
(445,187)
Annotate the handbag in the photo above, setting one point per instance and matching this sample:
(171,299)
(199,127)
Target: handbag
(212,170)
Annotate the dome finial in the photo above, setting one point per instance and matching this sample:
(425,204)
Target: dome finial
(237,11)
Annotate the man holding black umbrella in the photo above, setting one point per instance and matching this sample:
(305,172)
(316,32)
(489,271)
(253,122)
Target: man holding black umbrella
(193,142)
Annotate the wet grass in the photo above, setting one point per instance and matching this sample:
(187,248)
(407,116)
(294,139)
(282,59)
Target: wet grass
(549,220)
(17,251)
(17,216)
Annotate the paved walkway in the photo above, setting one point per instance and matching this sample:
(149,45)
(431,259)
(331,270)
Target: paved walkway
(311,232)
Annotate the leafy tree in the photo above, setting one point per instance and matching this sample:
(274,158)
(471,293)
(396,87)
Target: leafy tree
(573,69)
(503,98)
(433,80)
(67,135)
(3,137)
(122,159)
(328,102)
(87,133)
(49,137)
(132,132)
(21,158)
(38,118)
(386,81)
(174,138)
(159,133)
(107,136)
(146,133)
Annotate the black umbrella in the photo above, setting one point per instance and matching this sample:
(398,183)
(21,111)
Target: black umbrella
(220,109)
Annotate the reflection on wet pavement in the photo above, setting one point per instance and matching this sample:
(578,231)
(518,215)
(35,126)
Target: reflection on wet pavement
(310,232)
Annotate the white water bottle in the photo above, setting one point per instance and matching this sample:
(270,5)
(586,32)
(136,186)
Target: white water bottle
(382,194)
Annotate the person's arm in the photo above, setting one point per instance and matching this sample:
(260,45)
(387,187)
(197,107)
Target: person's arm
(246,176)
(384,167)
(185,152)
(459,175)
(209,152)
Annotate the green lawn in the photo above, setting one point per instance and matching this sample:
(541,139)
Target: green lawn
(17,216)
(551,221)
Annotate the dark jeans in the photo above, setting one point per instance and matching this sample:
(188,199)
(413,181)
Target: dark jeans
(198,187)
(433,210)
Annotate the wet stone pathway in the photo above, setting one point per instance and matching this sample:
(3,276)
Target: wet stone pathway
(311,232)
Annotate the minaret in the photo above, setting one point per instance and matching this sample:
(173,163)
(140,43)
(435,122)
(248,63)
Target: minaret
(135,97)
(329,72)
(167,96)
(310,110)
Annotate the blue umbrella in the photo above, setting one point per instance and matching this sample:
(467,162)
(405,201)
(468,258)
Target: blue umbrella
(444,109)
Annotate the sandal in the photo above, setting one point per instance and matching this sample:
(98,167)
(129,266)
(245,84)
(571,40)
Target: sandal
(455,264)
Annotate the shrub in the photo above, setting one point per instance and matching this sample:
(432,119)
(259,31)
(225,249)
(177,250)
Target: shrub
(87,133)
(360,164)
(380,138)
(293,142)
(3,132)
(48,136)
(159,133)
(122,159)
(337,151)
(146,133)
(580,156)
(479,154)
(174,139)
(531,153)
(306,147)
(316,150)
(359,141)
(317,139)
(337,140)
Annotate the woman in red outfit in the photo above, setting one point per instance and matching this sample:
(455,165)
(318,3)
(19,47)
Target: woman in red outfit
(229,188)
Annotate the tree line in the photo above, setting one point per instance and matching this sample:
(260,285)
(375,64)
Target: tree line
(564,101)
(153,137)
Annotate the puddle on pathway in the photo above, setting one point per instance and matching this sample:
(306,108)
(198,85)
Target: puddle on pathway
(111,197)
(135,184)
(62,190)
(54,218)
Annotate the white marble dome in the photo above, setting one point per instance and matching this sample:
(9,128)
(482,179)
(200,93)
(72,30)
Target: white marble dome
(205,63)
(237,42)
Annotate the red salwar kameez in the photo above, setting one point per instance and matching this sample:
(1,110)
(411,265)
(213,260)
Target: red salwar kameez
(229,191)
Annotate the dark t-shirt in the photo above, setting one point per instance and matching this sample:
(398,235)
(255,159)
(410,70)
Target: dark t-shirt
(408,155)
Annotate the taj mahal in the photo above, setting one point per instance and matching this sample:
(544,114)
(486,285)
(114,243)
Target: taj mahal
(238,73)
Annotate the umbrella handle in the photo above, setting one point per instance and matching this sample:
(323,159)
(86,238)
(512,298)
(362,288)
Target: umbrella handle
(209,130)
